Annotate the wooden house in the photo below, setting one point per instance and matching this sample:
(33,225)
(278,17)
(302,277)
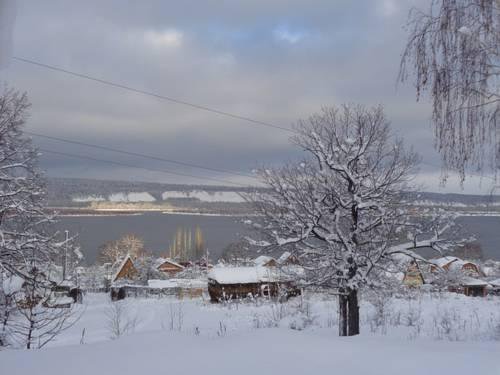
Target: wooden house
(413,275)
(467,268)
(226,283)
(168,266)
(125,270)
(455,264)
(442,263)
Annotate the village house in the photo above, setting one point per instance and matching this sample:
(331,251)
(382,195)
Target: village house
(413,275)
(124,270)
(225,283)
(168,266)
(464,275)
(450,263)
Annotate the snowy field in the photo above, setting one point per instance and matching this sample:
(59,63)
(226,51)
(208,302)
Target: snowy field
(442,334)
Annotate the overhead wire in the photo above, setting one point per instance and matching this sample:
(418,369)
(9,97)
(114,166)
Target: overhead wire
(85,157)
(170,99)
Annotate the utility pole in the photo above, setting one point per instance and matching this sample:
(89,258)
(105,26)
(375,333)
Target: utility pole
(206,261)
(65,257)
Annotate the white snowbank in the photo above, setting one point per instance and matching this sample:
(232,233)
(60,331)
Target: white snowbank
(206,196)
(88,198)
(117,197)
(131,197)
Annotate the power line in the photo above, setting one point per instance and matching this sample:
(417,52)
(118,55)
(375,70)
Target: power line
(173,100)
(143,92)
(138,167)
(107,148)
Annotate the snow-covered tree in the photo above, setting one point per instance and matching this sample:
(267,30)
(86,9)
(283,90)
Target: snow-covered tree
(39,315)
(453,52)
(341,207)
(26,240)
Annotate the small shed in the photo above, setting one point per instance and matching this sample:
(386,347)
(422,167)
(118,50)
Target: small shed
(168,266)
(494,287)
(474,287)
(225,283)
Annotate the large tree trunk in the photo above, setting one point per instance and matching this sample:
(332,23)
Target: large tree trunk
(349,314)
(343,321)
(353,310)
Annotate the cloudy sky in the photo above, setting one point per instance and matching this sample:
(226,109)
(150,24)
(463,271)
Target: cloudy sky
(272,61)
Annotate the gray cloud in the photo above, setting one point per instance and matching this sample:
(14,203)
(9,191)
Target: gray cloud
(7,21)
(273,61)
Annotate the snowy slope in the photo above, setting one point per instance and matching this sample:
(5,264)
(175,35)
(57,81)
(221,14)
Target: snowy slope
(256,338)
(271,351)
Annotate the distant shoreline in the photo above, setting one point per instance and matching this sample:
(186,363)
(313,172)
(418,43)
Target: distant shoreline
(101,212)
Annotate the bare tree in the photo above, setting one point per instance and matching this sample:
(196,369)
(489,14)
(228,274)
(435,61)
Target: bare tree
(113,251)
(118,320)
(341,207)
(39,316)
(454,52)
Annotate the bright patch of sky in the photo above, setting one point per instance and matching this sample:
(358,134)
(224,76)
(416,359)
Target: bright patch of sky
(286,34)
(388,8)
(166,38)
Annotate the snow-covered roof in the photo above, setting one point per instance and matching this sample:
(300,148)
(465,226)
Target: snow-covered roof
(262,260)
(284,257)
(66,283)
(161,261)
(458,264)
(495,282)
(243,275)
(55,300)
(470,281)
(120,266)
(177,283)
(441,262)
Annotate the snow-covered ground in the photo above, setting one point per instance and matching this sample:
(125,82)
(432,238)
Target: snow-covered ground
(441,334)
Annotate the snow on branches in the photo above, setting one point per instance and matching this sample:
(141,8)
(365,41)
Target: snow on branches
(453,53)
(27,247)
(341,208)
